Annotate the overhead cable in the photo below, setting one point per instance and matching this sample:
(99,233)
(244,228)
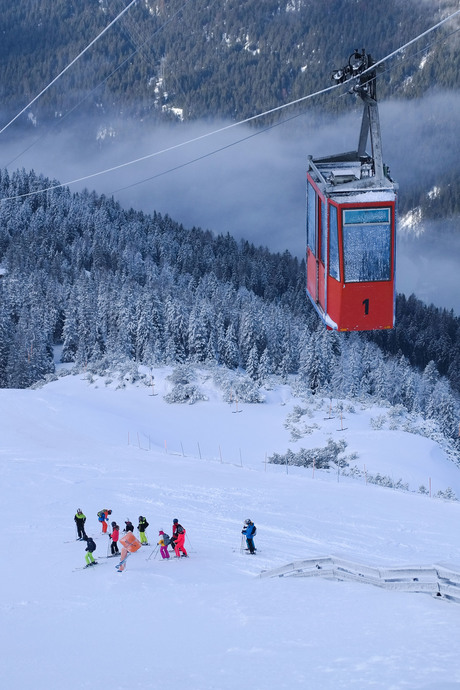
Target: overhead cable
(233,124)
(88,95)
(53,81)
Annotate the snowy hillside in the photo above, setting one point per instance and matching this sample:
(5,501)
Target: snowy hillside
(211,623)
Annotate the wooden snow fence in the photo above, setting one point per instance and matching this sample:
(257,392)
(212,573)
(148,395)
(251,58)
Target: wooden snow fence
(437,580)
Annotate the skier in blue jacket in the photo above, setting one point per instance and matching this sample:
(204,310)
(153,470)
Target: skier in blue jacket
(249,531)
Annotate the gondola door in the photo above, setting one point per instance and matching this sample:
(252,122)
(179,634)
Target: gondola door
(316,247)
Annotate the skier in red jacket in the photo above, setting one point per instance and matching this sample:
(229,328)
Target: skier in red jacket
(178,538)
(114,535)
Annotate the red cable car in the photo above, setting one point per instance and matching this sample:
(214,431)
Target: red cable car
(351,221)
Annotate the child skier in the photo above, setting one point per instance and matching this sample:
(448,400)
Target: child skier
(114,537)
(178,539)
(143,524)
(80,520)
(103,517)
(90,547)
(163,544)
(129,527)
(167,540)
(249,531)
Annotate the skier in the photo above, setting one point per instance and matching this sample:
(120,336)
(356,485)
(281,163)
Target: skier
(178,539)
(80,520)
(163,544)
(249,531)
(90,547)
(129,545)
(143,524)
(129,527)
(103,517)
(114,537)
(167,540)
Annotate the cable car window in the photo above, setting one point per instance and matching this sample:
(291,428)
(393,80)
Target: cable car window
(367,244)
(311,218)
(334,266)
(323,232)
(354,216)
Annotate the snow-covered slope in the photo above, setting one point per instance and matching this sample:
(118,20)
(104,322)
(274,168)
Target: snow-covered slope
(208,622)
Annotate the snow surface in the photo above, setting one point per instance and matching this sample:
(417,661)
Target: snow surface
(209,622)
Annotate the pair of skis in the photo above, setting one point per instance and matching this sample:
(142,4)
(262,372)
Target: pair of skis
(88,566)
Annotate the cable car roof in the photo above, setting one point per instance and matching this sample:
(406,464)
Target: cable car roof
(352,176)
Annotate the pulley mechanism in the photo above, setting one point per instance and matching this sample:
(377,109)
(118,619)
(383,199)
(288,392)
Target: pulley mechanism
(358,67)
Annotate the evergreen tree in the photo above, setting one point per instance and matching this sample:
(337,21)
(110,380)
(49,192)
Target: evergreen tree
(252,365)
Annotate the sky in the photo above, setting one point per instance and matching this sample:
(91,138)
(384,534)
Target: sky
(210,622)
(256,190)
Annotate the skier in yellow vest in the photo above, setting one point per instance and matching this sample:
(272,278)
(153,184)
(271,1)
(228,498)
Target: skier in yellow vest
(143,524)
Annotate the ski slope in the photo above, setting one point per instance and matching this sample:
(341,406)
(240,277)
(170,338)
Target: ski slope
(210,622)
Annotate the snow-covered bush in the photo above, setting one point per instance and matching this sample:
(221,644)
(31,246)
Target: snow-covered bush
(184,393)
(322,458)
(237,387)
(448,494)
(384,480)
(185,389)
(378,422)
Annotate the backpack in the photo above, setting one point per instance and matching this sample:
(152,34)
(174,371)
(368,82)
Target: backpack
(180,529)
(255,531)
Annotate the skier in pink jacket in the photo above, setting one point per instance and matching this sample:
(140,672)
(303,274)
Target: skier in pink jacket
(162,544)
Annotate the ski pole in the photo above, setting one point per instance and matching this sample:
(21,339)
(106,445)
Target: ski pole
(108,546)
(155,549)
(190,543)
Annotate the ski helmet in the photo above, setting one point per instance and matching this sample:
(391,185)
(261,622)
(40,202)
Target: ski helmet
(161,532)
(247,522)
(113,524)
(175,521)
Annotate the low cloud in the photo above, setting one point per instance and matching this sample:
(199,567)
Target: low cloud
(254,189)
